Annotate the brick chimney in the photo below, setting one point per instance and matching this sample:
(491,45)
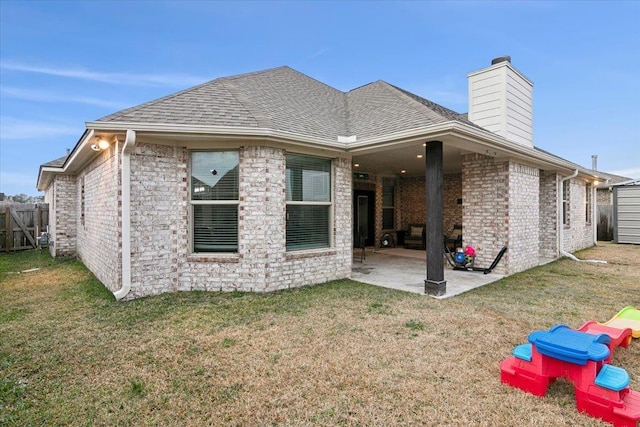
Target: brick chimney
(501,100)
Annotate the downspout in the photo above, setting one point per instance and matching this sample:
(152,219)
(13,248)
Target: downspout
(561,227)
(594,211)
(129,144)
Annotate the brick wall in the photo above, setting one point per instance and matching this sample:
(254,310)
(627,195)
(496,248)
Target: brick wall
(548,215)
(412,201)
(62,219)
(158,218)
(577,234)
(501,207)
(523,219)
(161,261)
(451,193)
(412,194)
(99,236)
(485,208)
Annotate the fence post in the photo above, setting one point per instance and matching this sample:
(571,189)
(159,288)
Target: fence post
(9,233)
(36,225)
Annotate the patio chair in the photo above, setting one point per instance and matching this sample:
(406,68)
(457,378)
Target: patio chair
(416,236)
(454,239)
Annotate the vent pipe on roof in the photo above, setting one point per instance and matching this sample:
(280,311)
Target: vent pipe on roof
(594,162)
(68,151)
(500,59)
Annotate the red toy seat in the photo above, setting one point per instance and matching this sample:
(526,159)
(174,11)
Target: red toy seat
(601,390)
(619,337)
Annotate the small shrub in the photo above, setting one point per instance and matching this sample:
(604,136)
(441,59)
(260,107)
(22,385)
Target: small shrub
(136,388)
(228,342)
(414,325)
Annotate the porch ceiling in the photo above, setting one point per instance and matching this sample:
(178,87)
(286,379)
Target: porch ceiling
(392,161)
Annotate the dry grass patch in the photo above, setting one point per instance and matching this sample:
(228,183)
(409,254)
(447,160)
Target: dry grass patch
(343,353)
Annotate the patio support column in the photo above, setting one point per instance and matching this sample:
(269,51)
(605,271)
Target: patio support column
(435,283)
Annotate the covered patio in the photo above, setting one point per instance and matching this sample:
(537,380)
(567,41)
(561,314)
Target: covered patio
(404,270)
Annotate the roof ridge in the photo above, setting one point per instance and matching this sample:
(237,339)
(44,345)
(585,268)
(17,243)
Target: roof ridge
(441,110)
(283,67)
(423,102)
(263,120)
(347,114)
(253,73)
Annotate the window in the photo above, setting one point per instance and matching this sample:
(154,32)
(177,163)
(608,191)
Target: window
(388,203)
(565,202)
(214,201)
(308,183)
(588,207)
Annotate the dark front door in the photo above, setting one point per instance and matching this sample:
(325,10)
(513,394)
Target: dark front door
(363,217)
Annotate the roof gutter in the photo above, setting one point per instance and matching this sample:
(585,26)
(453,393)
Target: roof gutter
(465,132)
(82,142)
(178,129)
(127,148)
(449,128)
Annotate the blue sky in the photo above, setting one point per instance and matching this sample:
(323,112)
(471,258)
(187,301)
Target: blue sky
(65,63)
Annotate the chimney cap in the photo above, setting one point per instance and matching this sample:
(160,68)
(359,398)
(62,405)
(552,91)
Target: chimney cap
(500,59)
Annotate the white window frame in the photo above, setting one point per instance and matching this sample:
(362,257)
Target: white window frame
(193,203)
(328,203)
(566,202)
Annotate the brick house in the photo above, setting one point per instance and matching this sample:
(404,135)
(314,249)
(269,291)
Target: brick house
(262,181)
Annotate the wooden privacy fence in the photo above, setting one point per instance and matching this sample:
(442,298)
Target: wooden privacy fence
(21,224)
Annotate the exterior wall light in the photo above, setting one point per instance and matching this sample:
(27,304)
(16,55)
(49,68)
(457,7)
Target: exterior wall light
(102,144)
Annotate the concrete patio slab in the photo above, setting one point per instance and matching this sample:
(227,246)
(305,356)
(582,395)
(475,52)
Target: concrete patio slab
(405,270)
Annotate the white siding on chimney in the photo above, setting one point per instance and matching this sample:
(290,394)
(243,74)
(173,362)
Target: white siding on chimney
(501,101)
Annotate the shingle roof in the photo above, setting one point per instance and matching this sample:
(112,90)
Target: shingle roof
(57,163)
(285,99)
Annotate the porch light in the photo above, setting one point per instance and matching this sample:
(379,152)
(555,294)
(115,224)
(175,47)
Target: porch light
(356,165)
(419,156)
(403,171)
(102,144)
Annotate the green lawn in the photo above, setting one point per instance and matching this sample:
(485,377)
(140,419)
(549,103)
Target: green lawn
(343,353)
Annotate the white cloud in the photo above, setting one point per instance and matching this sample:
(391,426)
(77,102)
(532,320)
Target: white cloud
(45,96)
(631,173)
(13,128)
(131,79)
(318,53)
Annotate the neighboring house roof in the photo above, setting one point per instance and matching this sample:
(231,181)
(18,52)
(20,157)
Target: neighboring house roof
(627,183)
(612,179)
